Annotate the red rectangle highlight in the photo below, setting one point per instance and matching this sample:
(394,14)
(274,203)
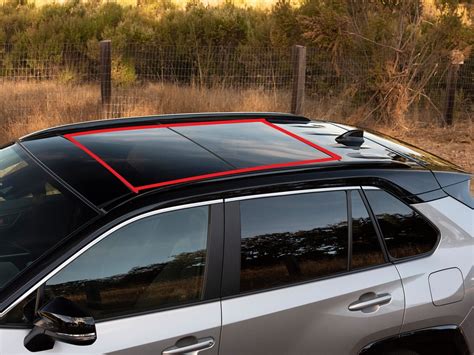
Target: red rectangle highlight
(136,189)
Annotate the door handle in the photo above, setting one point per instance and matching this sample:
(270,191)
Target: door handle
(370,300)
(192,349)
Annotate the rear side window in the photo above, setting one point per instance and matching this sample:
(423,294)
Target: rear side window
(405,231)
(288,239)
(153,263)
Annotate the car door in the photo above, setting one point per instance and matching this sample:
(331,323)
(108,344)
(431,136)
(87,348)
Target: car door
(305,273)
(151,284)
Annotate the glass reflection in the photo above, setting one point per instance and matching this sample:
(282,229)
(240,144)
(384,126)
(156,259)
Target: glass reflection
(366,249)
(153,263)
(36,213)
(243,144)
(152,156)
(292,238)
(405,232)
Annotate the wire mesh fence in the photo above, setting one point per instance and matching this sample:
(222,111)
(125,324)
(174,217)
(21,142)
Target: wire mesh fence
(64,84)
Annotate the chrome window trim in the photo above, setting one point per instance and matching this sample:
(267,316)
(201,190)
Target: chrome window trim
(299,192)
(99,239)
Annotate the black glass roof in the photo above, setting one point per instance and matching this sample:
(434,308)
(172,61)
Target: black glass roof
(152,156)
(107,163)
(78,169)
(250,144)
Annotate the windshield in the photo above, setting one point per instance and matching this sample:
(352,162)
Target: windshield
(36,212)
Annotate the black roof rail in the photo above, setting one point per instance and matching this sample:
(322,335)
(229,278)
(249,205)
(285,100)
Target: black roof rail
(277,117)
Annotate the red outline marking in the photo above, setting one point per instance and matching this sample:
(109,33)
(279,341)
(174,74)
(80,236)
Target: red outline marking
(102,162)
(137,189)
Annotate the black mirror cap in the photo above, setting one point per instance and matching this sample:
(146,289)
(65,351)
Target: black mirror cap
(61,320)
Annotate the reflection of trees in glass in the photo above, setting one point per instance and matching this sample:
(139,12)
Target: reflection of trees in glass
(143,287)
(362,226)
(366,248)
(406,234)
(319,242)
(276,258)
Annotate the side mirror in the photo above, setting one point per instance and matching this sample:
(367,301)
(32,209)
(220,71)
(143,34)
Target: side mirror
(60,320)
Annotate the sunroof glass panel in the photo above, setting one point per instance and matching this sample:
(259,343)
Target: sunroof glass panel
(154,156)
(148,156)
(250,144)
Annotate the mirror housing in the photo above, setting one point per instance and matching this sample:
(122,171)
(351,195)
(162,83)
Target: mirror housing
(60,320)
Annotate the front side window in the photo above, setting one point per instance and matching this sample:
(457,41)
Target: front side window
(36,212)
(153,263)
(405,231)
(288,239)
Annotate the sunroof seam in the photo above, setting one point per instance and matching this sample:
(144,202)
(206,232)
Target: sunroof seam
(203,147)
(136,189)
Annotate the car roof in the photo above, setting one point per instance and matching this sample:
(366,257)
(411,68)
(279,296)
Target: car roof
(109,159)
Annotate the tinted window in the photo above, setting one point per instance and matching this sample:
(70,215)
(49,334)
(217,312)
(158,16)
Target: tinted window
(406,232)
(153,263)
(149,156)
(366,248)
(292,238)
(23,313)
(36,212)
(78,169)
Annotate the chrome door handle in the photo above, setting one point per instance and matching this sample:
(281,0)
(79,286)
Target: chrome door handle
(370,300)
(193,349)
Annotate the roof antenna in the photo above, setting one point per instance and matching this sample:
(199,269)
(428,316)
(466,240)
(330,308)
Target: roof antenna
(352,138)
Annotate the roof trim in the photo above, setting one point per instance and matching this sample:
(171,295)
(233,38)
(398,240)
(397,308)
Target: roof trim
(162,119)
(136,189)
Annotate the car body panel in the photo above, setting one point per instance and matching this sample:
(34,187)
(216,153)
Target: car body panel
(146,334)
(455,249)
(446,286)
(310,317)
(301,319)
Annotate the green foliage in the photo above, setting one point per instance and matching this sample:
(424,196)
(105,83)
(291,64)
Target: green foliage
(382,53)
(400,47)
(123,72)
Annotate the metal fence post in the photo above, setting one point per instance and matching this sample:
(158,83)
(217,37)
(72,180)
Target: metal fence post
(457,59)
(106,72)
(299,77)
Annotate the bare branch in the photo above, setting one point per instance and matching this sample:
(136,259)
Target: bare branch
(372,41)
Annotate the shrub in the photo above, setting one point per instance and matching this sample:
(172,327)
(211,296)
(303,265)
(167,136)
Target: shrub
(123,72)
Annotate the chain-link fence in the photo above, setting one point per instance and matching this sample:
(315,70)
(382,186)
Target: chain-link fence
(52,85)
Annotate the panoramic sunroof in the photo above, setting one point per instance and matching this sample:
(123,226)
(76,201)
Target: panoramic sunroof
(146,157)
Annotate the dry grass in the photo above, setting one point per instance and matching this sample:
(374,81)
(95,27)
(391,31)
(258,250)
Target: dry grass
(27,107)
(454,143)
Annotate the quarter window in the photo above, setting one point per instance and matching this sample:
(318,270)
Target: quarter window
(288,239)
(153,263)
(406,232)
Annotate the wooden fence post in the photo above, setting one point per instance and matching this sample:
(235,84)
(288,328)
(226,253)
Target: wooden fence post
(106,72)
(299,77)
(457,59)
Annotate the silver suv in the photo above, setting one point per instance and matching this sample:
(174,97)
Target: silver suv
(232,234)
